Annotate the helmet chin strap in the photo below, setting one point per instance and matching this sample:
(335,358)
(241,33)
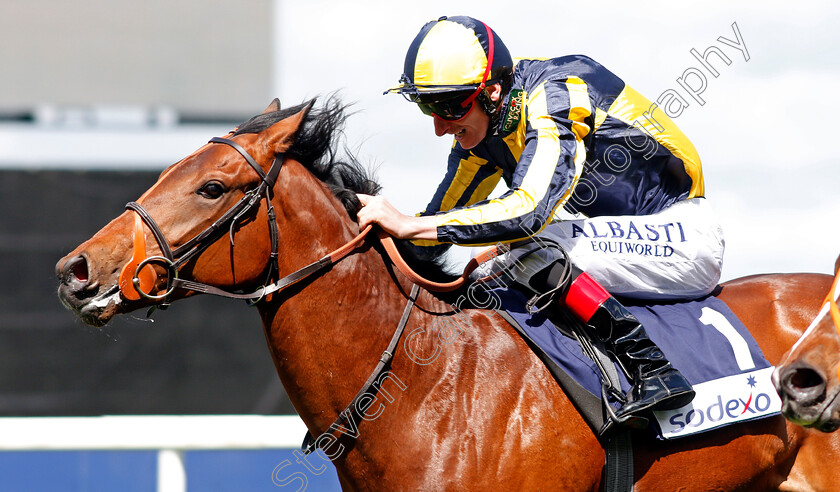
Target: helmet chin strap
(487,104)
(492,109)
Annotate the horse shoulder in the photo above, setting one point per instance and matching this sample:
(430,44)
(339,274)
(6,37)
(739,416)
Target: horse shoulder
(534,419)
(492,413)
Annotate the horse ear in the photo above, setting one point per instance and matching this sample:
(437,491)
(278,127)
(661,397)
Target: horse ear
(279,136)
(274,106)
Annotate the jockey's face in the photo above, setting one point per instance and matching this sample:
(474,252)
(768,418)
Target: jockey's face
(470,130)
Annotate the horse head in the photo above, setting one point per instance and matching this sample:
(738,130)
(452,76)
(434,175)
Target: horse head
(229,187)
(808,378)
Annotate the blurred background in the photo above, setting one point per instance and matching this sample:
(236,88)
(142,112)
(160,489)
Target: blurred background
(96,98)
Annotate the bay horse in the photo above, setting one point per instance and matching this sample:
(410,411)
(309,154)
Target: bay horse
(464,407)
(808,379)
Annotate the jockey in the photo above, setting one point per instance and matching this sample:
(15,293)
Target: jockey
(564,133)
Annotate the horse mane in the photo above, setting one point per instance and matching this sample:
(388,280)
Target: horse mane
(316,147)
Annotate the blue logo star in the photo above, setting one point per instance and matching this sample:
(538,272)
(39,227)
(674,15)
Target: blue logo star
(751,381)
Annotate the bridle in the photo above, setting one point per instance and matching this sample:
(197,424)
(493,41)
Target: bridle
(834,309)
(138,277)
(831,300)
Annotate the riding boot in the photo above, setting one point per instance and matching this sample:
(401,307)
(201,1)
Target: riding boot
(655,384)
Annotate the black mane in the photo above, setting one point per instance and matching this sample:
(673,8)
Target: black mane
(316,147)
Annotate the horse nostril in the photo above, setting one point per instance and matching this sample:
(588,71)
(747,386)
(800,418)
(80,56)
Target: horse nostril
(80,271)
(805,384)
(805,378)
(75,270)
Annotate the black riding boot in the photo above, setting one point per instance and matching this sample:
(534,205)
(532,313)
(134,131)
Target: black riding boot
(656,385)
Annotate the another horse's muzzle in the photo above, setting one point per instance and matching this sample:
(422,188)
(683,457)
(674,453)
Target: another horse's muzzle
(801,383)
(804,396)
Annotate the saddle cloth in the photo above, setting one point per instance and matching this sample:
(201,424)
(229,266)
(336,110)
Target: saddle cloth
(702,338)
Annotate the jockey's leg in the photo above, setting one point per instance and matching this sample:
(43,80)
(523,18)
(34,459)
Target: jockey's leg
(655,384)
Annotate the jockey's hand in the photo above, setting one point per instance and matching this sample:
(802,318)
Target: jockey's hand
(378,210)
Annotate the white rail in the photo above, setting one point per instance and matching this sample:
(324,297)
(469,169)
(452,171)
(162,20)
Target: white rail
(171,435)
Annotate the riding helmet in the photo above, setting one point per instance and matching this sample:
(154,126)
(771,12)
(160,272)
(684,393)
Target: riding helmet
(452,54)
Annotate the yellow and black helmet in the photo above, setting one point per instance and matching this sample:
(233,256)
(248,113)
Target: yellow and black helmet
(453,54)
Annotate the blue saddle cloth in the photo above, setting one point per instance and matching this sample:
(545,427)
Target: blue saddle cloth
(702,338)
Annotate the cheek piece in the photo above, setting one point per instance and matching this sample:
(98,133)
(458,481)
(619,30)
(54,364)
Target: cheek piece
(146,276)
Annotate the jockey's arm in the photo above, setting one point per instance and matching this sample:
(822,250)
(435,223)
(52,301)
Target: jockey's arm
(546,173)
(378,210)
(549,164)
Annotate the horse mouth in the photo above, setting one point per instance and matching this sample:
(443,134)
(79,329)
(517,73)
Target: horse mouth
(95,311)
(828,426)
(824,417)
(829,419)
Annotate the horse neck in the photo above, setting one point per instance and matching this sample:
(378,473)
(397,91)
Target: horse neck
(326,333)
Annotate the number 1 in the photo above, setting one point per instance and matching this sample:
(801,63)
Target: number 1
(718,321)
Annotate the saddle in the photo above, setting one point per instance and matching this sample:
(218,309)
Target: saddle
(702,338)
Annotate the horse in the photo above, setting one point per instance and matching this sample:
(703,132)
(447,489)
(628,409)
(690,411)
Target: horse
(462,406)
(808,379)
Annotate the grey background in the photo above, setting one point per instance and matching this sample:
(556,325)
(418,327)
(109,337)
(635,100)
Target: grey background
(198,57)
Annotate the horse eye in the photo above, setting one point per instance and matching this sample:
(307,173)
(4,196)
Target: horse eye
(212,190)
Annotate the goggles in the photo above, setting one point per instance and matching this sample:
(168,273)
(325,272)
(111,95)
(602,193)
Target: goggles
(452,108)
